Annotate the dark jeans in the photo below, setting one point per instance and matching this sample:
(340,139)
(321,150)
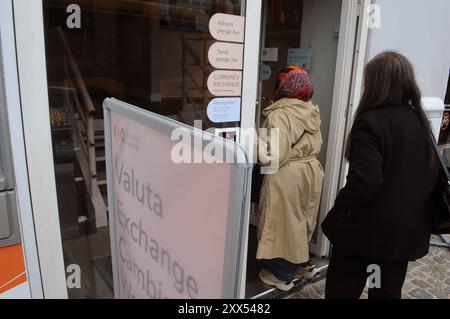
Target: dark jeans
(347,276)
(281,268)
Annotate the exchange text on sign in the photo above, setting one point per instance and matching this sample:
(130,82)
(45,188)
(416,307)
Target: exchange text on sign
(225,83)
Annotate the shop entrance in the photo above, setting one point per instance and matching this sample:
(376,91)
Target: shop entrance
(316,35)
(155,54)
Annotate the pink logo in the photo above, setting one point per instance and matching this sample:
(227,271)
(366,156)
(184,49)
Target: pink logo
(119,134)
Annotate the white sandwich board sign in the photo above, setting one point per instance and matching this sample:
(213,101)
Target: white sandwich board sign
(175,226)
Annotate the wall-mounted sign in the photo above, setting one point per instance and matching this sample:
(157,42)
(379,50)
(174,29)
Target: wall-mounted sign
(225,110)
(269,55)
(265,72)
(225,83)
(224,55)
(227,27)
(300,57)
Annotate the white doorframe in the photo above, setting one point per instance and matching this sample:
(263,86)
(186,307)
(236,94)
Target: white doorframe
(31,66)
(8,69)
(362,46)
(250,85)
(350,65)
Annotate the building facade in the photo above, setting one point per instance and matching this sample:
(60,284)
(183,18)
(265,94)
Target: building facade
(60,59)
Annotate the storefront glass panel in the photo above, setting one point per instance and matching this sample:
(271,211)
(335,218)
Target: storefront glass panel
(153,54)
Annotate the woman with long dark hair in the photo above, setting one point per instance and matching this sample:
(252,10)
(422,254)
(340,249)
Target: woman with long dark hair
(381,218)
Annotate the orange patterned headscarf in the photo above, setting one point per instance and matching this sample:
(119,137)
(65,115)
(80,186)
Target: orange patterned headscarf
(293,82)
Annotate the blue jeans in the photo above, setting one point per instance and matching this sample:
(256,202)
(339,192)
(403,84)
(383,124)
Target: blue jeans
(281,268)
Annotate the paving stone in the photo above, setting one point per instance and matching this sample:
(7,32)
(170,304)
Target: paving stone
(439,260)
(422,284)
(420,294)
(440,294)
(436,283)
(408,286)
(428,261)
(442,269)
(426,269)
(438,275)
(418,274)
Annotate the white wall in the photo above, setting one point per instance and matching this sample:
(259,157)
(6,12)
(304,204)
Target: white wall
(420,30)
(319,20)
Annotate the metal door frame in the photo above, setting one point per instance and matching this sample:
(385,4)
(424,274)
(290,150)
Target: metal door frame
(12,100)
(39,208)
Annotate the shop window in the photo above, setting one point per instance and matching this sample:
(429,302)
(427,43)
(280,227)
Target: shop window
(149,53)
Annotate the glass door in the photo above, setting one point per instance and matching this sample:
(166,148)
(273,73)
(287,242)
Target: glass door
(303,33)
(319,36)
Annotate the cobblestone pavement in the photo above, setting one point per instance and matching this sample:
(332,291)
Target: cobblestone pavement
(428,278)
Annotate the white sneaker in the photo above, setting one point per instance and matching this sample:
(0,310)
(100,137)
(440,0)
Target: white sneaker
(270,279)
(308,272)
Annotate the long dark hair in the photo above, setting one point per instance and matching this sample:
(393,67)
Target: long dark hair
(389,80)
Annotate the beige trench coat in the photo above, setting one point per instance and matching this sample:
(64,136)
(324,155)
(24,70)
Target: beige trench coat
(290,198)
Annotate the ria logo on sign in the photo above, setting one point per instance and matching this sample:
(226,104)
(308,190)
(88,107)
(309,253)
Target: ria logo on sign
(119,134)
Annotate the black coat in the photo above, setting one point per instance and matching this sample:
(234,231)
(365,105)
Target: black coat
(383,212)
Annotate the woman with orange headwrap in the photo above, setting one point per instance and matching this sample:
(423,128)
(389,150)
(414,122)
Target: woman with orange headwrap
(290,197)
